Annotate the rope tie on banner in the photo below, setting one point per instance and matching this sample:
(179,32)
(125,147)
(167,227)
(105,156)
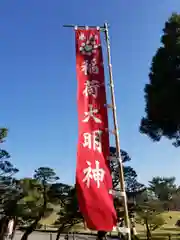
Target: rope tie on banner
(108,105)
(110,85)
(117,193)
(119,160)
(123,230)
(114,158)
(122,194)
(110,131)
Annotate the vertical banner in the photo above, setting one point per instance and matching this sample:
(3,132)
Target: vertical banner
(93,176)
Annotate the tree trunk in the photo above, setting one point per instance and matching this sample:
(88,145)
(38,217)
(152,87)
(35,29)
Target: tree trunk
(101,235)
(30,229)
(3,227)
(148,232)
(14,227)
(66,223)
(33,226)
(59,231)
(61,228)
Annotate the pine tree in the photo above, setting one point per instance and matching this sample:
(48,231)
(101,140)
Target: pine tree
(162,93)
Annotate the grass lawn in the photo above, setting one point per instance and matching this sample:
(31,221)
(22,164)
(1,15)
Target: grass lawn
(168,229)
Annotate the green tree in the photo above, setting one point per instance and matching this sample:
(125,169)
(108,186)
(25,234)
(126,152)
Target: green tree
(3,134)
(38,202)
(114,165)
(134,189)
(130,176)
(46,177)
(149,215)
(164,189)
(9,187)
(69,214)
(29,206)
(162,93)
(59,192)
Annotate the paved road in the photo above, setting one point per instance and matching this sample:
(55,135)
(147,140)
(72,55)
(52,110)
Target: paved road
(36,236)
(48,236)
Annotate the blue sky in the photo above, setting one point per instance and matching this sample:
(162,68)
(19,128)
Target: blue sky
(38,80)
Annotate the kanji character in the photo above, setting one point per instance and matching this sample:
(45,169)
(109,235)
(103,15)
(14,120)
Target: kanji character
(91,114)
(93,140)
(96,174)
(90,68)
(91,88)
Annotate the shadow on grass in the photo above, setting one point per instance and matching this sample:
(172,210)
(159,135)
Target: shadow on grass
(171,229)
(161,238)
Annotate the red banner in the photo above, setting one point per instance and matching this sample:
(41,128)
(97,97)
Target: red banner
(93,177)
